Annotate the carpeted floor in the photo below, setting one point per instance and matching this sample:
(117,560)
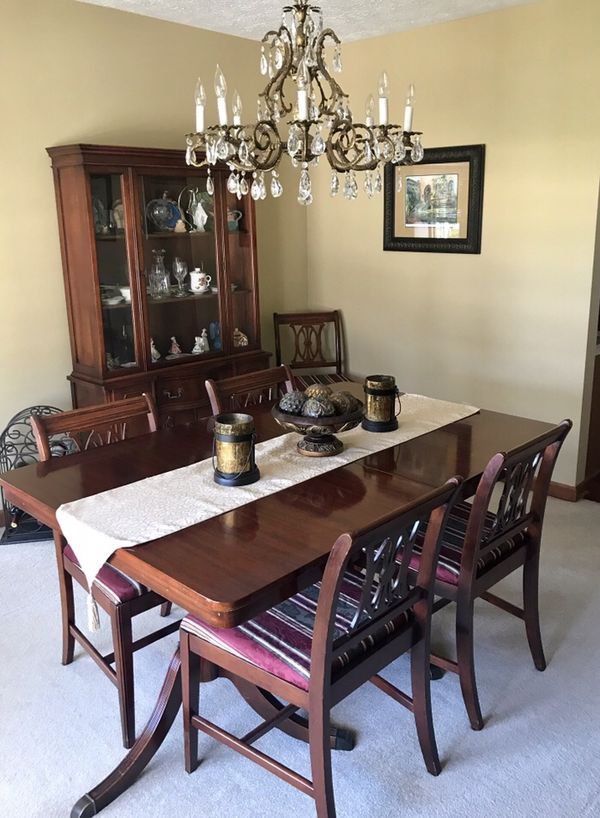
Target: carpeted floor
(537,757)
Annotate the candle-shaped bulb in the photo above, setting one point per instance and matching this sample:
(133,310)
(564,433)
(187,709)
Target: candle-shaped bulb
(220,84)
(384,85)
(200,93)
(383,90)
(236,109)
(221,91)
(370,110)
(200,96)
(408,110)
(302,75)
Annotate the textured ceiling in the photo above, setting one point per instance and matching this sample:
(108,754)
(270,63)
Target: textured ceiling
(351,19)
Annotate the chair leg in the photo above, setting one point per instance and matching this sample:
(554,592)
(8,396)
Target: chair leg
(531,610)
(165,609)
(421,695)
(120,621)
(67,612)
(320,760)
(190,691)
(466,662)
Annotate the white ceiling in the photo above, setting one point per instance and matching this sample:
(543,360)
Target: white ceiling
(351,19)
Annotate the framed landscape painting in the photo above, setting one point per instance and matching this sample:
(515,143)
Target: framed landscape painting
(435,205)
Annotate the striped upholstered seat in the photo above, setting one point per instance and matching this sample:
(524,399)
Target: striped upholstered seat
(301,381)
(448,567)
(116,586)
(280,640)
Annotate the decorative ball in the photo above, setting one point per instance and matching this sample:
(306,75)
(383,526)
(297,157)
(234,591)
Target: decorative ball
(354,402)
(293,402)
(318,408)
(317,390)
(341,403)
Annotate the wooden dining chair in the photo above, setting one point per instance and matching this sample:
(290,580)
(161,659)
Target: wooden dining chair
(309,340)
(326,641)
(120,596)
(241,391)
(488,539)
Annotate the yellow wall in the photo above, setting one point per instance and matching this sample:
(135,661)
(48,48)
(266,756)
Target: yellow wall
(507,329)
(70,73)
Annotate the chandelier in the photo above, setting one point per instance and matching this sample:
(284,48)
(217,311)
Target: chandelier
(299,60)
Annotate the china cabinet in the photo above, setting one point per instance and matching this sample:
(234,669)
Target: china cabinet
(160,277)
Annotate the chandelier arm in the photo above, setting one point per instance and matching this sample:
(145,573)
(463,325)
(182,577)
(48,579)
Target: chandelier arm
(336,91)
(276,84)
(345,148)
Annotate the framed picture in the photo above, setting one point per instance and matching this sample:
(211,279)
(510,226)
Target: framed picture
(435,205)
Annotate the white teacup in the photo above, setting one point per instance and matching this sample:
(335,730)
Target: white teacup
(126,293)
(199,281)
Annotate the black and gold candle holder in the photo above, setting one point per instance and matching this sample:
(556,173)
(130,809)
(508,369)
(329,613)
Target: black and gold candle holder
(381,394)
(233,450)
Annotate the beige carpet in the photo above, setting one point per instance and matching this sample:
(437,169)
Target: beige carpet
(537,757)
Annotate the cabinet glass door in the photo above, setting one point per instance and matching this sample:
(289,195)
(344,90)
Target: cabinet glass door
(240,260)
(113,270)
(182,269)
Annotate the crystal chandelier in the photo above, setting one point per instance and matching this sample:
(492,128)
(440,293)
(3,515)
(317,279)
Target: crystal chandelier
(302,92)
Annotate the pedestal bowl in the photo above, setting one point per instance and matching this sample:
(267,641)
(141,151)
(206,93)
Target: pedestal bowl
(319,434)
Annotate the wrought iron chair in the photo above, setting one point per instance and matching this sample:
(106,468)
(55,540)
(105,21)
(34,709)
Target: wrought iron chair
(312,335)
(242,391)
(322,644)
(489,539)
(120,596)
(18,448)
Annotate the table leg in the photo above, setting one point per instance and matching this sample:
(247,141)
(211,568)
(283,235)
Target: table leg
(267,706)
(155,731)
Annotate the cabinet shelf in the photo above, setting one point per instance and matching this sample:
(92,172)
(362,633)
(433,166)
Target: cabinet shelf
(171,234)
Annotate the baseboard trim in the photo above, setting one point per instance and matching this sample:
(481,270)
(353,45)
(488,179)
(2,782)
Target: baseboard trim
(572,493)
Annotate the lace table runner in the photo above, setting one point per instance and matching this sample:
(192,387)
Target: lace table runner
(156,506)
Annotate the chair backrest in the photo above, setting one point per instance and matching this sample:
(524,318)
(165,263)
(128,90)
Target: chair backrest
(514,488)
(384,550)
(313,334)
(95,426)
(241,391)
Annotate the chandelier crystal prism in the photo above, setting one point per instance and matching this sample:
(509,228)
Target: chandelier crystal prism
(304,113)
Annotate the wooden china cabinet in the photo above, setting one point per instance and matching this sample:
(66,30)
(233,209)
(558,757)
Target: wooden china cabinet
(121,211)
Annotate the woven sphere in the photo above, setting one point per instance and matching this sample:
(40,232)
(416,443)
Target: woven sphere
(341,403)
(318,408)
(292,402)
(317,390)
(354,402)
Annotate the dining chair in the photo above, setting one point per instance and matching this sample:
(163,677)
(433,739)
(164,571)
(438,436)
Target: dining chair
(241,391)
(308,339)
(117,594)
(488,539)
(326,641)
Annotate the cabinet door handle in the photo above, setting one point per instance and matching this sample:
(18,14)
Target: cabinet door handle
(179,394)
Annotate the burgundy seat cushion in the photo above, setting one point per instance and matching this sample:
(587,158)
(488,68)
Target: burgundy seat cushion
(116,586)
(452,543)
(280,640)
(303,381)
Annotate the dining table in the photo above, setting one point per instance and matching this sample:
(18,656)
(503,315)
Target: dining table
(238,564)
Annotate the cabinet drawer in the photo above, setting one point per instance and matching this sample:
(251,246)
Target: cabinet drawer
(180,391)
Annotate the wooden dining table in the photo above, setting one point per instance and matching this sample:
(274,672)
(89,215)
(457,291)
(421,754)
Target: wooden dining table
(232,567)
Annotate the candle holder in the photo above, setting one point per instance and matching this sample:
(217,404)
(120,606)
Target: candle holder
(381,394)
(234,450)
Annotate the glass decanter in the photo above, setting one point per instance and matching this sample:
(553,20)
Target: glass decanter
(160,283)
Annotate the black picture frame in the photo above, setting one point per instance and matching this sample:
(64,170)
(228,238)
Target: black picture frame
(474,156)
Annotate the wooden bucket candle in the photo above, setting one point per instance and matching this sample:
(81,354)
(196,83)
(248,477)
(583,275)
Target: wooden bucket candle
(233,450)
(381,393)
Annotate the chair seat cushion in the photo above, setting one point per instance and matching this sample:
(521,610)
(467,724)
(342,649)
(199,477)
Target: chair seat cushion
(280,640)
(118,587)
(448,568)
(304,380)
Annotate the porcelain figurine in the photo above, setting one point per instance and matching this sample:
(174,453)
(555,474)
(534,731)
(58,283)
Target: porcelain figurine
(175,348)
(197,346)
(154,353)
(180,227)
(204,341)
(240,339)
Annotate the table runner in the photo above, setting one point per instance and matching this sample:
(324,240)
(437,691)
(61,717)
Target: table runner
(95,527)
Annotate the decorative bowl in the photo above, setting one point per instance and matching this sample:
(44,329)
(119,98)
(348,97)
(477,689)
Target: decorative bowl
(318,434)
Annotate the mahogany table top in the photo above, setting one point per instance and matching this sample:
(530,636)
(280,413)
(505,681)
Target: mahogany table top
(233,566)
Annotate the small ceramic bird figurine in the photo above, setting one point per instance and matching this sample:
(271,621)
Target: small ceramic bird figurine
(175,348)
